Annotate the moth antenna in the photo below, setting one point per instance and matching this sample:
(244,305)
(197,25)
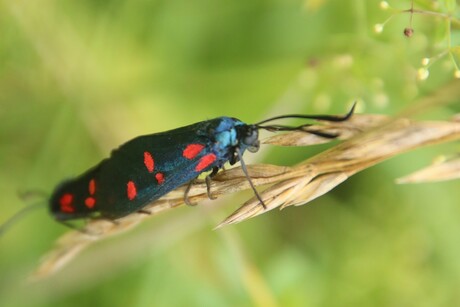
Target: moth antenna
(19,215)
(245,171)
(330,118)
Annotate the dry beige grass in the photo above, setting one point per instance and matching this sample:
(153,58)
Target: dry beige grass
(441,170)
(368,140)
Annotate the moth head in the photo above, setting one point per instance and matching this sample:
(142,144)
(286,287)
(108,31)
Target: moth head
(249,137)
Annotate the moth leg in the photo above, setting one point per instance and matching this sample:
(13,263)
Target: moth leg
(83,229)
(208,182)
(72,226)
(214,171)
(208,187)
(115,222)
(187,190)
(143,211)
(99,218)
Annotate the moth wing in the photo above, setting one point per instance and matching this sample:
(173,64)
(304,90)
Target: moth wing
(148,167)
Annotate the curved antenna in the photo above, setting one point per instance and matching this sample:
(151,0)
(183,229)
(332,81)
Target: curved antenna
(330,118)
(245,171)
(19,215)
(272,128)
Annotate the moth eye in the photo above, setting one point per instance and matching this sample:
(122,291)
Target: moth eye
(251,138)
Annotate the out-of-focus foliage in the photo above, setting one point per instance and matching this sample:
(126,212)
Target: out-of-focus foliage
(78,78)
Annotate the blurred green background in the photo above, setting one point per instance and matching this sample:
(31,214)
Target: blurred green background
(78,78)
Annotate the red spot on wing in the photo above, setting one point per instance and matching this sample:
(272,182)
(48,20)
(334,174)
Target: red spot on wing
(149,162)
(90,202)
(160,177)
(205,162)
(192,150)
(65,203)
(131,190)
(92,187)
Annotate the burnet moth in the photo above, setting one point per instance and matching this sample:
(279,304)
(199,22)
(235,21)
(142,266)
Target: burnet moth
(147,167)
